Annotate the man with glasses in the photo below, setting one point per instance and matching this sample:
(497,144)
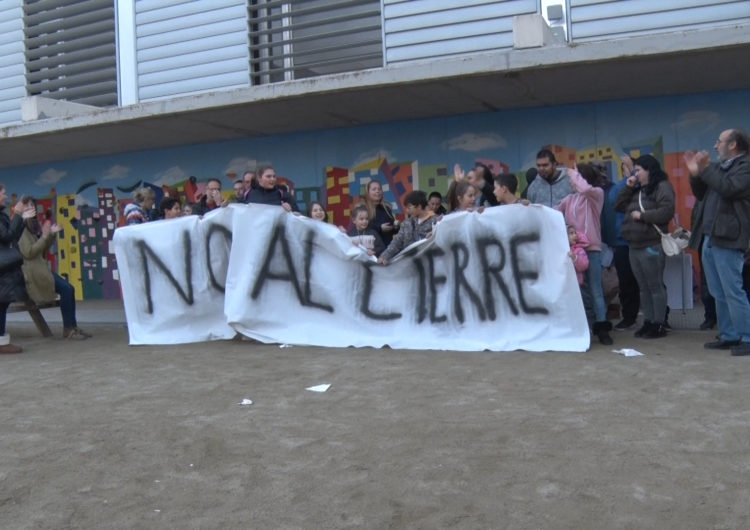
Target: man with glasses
(212,198)
(722,219)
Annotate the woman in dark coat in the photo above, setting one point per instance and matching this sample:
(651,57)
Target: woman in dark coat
(12,285)
(382,219)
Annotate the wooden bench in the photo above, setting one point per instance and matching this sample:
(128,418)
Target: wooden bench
(35,312)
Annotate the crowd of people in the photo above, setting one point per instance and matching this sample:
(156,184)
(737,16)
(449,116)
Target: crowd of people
(609,224)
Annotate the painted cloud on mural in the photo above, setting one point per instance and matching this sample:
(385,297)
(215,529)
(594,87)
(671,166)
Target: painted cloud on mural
(475,142)
(116,172)
(369,156)
(239,165)
(698,120)
(170,176)
(50,177)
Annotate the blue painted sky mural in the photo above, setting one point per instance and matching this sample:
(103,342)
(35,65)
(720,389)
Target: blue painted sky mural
(411,152)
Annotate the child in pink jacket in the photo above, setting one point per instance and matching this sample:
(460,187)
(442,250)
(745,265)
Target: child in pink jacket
(578,243)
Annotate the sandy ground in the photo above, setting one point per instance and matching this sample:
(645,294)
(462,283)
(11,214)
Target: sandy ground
(99,434)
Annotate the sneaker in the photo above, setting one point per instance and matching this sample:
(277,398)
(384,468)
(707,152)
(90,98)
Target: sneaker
(742,349)
(624,325)
(721,344)
(75,334)
(10,349)
(709,323)
(84,333)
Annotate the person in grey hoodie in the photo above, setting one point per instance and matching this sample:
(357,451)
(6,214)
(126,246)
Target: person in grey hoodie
(553,186)
(418,226)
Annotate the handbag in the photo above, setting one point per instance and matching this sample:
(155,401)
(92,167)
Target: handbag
(672,244)
(10,258)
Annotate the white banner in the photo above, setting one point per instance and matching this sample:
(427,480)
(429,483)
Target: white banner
(501,280)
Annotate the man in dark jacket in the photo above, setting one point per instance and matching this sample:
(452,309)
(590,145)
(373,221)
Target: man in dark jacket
(723,220)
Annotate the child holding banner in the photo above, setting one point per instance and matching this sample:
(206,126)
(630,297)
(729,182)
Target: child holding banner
(418,226)
(461,197)
(362,235)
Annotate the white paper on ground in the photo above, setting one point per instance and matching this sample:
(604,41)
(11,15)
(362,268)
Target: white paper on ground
(628,352)
(319,388)
(246,401)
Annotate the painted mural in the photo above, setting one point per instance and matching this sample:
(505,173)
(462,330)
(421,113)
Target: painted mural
(87,196)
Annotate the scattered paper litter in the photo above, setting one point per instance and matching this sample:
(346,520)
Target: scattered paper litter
(628,352)
(246,401)
(285,345)
(319,388)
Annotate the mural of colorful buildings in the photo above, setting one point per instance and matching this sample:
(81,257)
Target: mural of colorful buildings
(87,197)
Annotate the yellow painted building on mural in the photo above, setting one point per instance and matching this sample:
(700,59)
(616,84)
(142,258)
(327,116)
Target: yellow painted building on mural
(68,244)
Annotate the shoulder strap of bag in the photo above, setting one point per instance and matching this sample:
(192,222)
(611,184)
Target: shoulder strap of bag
(640,203)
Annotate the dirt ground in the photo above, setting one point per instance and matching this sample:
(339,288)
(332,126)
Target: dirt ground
(99,434)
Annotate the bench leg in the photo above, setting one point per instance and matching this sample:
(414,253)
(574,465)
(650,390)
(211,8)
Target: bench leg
(40,323)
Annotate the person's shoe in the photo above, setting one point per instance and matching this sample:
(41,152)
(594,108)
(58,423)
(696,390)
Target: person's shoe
(624,324)
(666,325)
(742,349)
(6,347)
(709,323)
(721,344)
(601,330)
(74,334)
(84,333)
(643,329)
(655,331)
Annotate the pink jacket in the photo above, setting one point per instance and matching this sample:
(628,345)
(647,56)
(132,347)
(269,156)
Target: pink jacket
(580,258)
(583,210)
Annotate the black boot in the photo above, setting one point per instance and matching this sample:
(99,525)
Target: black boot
(655,331)
(643,329)
(601,330)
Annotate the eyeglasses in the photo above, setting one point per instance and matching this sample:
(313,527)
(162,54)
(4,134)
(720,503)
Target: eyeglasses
(720,141)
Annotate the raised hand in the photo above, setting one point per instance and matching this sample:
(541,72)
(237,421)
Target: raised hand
(458,173)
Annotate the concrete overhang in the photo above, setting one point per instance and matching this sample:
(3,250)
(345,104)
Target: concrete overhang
(644,66)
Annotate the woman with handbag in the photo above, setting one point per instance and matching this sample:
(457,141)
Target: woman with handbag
(648,201)
(41,282)
(12,287)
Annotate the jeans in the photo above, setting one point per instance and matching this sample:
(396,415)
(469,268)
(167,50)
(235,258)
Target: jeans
(594,281)
(67,301)
(723,268)
(3,316)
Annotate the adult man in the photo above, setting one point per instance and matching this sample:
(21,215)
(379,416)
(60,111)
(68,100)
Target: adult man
(506,185)
(248,181)
(418,226)
(723,220)
(212,199)
(239,191)
(481,179)
(554,184)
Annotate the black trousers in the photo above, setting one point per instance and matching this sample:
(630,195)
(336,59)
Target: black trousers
(630,298)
